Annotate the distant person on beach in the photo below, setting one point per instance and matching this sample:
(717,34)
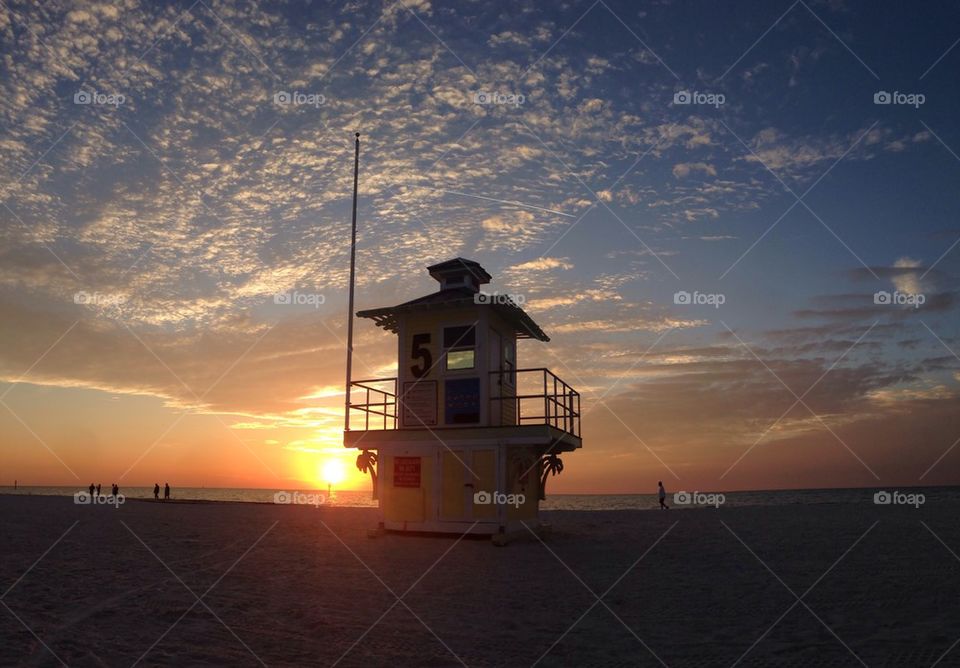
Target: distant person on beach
(116,490)
(92,487)
(662,495)
(156,491)
(166,491)
(98,489)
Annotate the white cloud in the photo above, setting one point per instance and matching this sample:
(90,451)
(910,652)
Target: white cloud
(544,264)
(908,282)
(684,169)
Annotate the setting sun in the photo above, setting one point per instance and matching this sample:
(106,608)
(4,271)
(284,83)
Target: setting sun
(333,471)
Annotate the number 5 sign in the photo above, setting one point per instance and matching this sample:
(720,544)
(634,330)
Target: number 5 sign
(420,350)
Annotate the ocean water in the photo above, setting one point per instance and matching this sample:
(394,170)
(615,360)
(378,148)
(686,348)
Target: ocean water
(553,502)
(778,497)
(219,494)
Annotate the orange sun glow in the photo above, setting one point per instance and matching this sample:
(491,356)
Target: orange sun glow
(333,471)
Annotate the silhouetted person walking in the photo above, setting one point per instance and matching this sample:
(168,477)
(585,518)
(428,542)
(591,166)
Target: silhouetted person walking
(662,495)
(98,489)
(156,491)
(92,487)
(166,491)
(116,490)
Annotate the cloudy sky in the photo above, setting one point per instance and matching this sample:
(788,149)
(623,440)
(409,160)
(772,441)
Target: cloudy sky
(738,222)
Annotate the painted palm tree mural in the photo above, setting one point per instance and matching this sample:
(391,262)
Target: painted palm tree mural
(367,463)
(551,465)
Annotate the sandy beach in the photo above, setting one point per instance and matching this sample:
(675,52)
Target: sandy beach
(290,586)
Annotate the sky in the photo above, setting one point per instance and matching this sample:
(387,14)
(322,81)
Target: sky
(738,222)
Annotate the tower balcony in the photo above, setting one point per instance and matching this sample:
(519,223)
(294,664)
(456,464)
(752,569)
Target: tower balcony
(529,403)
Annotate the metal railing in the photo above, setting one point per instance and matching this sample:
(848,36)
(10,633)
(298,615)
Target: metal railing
(538,396)
(525,396)
(384,393)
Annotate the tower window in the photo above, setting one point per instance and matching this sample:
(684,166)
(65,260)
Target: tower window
(460,344)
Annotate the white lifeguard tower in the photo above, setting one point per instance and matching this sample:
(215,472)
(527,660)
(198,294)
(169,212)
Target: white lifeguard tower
(462,440)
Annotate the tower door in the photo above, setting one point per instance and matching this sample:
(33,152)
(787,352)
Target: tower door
(468,485)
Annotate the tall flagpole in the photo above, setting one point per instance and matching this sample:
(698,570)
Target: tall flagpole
(353,269)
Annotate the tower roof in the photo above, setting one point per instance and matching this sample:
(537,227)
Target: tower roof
(459,266)
(458,297)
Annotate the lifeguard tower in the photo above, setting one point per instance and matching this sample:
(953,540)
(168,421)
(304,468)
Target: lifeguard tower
(462,440)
